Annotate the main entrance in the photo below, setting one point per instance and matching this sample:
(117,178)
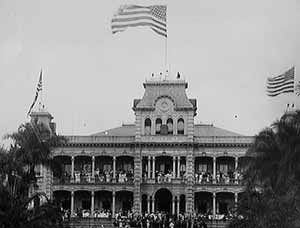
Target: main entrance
(163,201)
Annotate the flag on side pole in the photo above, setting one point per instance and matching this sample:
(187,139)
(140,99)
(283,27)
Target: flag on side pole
(283,83)
(154,17)
(38,89)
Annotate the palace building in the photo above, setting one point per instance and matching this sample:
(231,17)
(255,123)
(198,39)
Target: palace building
(163,162)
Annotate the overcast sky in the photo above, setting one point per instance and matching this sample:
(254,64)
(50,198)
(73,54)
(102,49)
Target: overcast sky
(224,49)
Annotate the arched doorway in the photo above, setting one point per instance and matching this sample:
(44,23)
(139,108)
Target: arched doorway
(163,200)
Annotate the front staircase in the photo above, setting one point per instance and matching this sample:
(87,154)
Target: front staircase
(88,223)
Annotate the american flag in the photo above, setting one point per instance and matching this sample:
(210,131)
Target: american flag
(38,89)
(283,83)
(154,16)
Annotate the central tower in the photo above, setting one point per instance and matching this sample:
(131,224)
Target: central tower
(164,110)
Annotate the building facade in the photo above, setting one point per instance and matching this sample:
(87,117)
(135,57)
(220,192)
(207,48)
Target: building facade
(162,162)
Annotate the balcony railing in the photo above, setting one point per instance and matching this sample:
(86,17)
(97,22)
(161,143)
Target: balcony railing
(224,139)
(100,139)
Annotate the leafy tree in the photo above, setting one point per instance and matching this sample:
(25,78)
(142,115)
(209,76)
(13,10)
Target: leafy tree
(30,147)
(272,197)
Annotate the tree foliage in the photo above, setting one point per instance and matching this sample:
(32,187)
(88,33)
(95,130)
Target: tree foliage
(17,176)
(272,196)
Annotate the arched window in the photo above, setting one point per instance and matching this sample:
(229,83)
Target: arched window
(170,126)
(180,127)
(158,124)
(147,126)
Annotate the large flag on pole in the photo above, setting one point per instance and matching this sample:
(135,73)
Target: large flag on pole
(154,17)
(38,90)
(283,83)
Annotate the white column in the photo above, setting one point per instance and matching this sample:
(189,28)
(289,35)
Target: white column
(178,204)
(236,163)
(93,168)
(173,205)
(148,204)
(174,167)
(114,167)
(153,168)
(92,203)
(153,204)
(214,169)
(235,198)
(214,205)
(72,203)
(72,169)
(178,167)
(149,167)
(113,204)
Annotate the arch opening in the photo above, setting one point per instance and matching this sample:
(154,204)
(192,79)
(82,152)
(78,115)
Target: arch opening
(163,201)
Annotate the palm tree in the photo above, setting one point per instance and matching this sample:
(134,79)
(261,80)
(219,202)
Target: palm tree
(272,197)
(30,147)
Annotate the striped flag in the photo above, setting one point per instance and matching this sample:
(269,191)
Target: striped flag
(283,83)
(154,17)
(38,89)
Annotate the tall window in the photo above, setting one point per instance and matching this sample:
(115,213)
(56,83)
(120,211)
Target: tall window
(180,127)
(170,126)
(147,126)
(158,124)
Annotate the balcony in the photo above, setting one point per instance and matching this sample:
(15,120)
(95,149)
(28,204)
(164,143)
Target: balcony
(100,139)
(164,138)
(224,139)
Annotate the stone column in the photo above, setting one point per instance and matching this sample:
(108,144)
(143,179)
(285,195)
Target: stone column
(113,204)
(72,203)
(178,167)
(93,168)
(72,169)
(235,198)
(174,167)
(236,163)
(153,168)
(114,167)
(178,204)
(148,204)
(173,205)
(149,167)
(92,203)
(214,169)
(153,204)
(214,205)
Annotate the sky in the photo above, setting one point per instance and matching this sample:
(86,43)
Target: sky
(225,50)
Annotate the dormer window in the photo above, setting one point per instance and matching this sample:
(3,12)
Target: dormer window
(170,126)
(180,127)
(147,126)
(158,124)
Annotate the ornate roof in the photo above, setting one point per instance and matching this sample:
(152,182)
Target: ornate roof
(174,89)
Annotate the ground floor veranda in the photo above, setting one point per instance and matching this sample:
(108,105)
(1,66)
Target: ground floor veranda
(106,204)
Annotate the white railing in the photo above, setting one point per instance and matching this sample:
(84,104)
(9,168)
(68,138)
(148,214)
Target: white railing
(223,139)
(100,139)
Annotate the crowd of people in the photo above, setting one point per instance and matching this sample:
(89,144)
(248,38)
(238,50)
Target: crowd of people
(229,177)
(163,220)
